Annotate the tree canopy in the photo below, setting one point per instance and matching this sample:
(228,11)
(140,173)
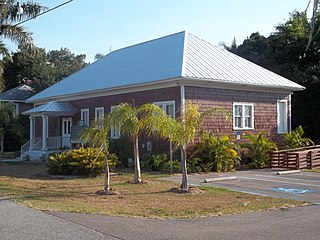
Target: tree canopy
(43,68)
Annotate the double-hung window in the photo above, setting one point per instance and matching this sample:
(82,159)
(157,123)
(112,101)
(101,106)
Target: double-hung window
(243,117)
(85,116)
(168,107)
(115,130)
(99,114)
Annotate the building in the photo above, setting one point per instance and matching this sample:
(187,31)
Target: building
(167,71)
(18,96)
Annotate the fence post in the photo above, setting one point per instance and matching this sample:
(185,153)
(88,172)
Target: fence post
(311,159)
(298,161)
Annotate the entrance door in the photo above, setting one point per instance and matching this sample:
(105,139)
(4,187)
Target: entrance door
(66,131)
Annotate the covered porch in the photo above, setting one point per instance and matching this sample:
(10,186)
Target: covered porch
(50,129)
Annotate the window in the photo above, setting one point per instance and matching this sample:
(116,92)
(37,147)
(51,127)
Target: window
(115,130)
(168,107)
(99,113)
(85,116)
(282,116)
(243,116)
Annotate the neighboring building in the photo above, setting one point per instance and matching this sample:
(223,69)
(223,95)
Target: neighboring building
(166,71)
(18,96)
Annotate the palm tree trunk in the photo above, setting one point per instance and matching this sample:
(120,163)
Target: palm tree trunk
(2,144)
(137,171)
(106,173)
(184,183)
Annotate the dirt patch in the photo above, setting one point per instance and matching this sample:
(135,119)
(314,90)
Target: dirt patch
(191,190)
(142,182)
(110,192)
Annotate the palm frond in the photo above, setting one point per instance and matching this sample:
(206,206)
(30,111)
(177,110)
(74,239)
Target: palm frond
(17,34)
(9,12)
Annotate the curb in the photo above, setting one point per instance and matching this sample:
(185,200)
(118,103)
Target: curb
(288,172)
(218,179)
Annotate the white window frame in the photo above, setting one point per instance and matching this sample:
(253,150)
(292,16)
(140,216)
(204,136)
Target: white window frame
(243,105)
(163,105)
(96,110)
(85,110)
(285,119)
(115,133)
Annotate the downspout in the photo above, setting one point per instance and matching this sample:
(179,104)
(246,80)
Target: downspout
(289,114)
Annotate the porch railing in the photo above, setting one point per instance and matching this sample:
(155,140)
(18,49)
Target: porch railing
(53,143)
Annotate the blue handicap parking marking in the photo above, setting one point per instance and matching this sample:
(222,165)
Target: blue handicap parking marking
(292,190)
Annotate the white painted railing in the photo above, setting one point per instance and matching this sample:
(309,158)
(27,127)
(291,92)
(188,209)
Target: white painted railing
(53,143)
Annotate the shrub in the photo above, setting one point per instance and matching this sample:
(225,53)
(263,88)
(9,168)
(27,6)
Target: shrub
(82,161)
(295,139)
(159,163)
(259,150)
(120,148)
(214,153)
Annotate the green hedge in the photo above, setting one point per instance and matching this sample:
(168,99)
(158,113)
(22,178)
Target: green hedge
(83,161)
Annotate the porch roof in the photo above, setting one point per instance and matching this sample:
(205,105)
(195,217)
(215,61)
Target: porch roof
(52,108)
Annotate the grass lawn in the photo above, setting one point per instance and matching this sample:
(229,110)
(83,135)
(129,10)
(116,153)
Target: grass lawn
(28,183)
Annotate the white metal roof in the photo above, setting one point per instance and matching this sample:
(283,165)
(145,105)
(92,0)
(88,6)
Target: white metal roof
(180,55)
(209,62)
(53,108)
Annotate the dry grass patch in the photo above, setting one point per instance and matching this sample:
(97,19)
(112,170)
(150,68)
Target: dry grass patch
(29,184)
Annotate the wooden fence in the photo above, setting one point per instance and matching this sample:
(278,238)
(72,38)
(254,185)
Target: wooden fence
(299,158)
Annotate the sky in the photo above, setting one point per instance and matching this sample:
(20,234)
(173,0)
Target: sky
(98,26)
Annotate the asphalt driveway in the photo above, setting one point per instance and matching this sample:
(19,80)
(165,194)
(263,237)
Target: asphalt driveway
(303,186)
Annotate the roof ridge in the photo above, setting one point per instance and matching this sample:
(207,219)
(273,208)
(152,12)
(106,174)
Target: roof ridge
(184,54)
(144,42)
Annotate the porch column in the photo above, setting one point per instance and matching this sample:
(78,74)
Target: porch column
(31,132)
(44,133)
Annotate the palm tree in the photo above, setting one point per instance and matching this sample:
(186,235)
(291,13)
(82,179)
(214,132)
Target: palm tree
(183,130)
(8,116)
(132,121)
(97,135)
(9,24)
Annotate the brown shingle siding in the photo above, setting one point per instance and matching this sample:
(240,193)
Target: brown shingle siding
(265,108)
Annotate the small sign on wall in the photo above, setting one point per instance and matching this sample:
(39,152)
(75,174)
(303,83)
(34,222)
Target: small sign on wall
(238,135)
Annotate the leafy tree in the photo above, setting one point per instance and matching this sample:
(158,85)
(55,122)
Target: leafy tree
(98,56)
(97,135)
(132,121)
(44,69)
(182,131)
(64,62)
(8,117)
(28,65)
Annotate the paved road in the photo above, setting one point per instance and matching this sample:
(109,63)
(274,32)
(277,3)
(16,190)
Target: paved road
(20,222)
(293,224)
(303,186)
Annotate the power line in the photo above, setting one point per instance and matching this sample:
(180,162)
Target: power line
(49,10)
